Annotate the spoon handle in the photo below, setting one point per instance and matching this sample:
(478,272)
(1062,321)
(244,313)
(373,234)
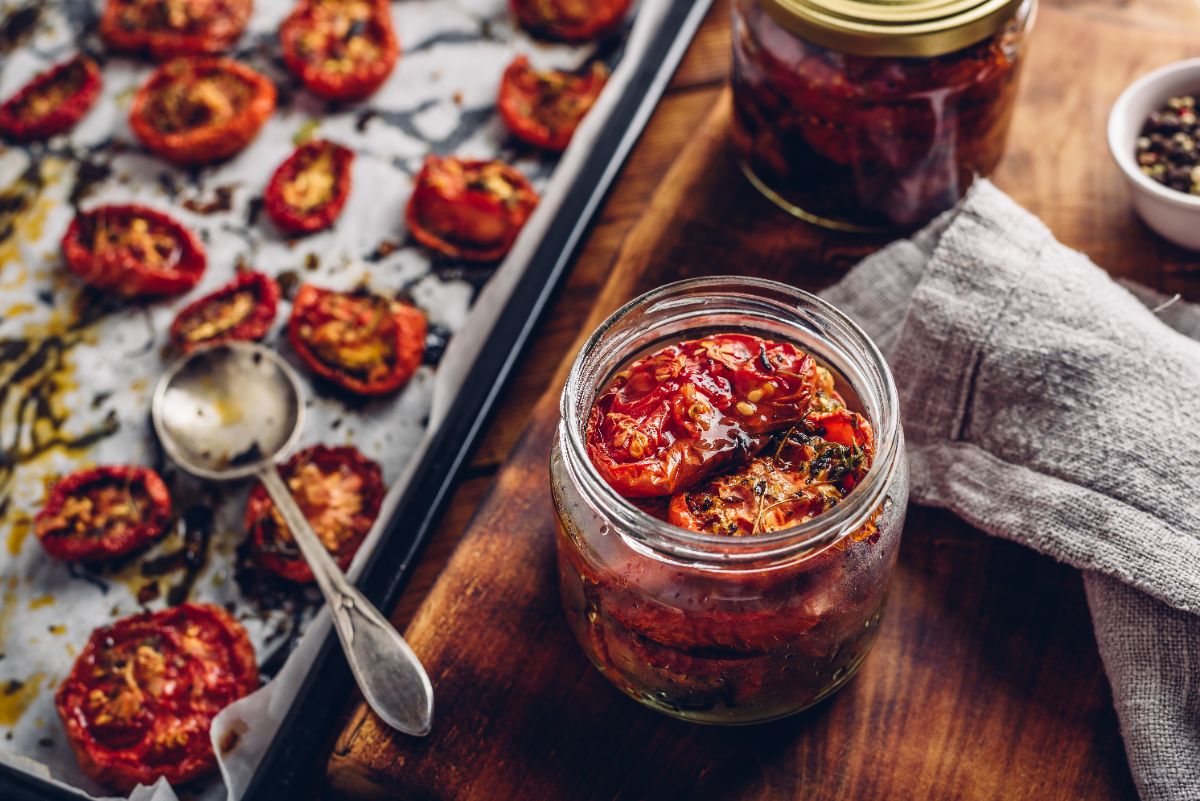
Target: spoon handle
(387,671)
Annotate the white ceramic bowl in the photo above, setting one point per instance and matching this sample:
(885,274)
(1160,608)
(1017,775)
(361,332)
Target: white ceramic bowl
(1173,214)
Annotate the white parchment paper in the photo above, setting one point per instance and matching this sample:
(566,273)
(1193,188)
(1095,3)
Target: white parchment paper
(95,380)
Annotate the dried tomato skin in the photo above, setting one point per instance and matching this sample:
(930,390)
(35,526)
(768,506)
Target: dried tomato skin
(537,16)
(72,547)
(293,220)
(261,525)
(679,415)
(354,85)
(521,91)
(202,144)
(122,272)
(220,29)
(227,671)
(251,328)
(440,202)
(18,127)
(409,330)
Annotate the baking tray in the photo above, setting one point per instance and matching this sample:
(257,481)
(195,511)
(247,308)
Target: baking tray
(294,753)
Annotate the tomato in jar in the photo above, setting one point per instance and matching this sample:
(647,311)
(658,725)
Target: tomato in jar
(200,110)
(133,251)
(339,491)
(677,416)
(140,699)
(873,123)
(727,519)
(53,102)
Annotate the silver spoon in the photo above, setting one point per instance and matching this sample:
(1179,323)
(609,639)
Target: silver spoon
(231,411)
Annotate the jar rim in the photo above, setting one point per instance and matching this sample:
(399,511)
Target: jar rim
(895,28)
(659,535)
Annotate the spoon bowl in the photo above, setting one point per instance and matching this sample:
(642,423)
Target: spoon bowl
(224,412)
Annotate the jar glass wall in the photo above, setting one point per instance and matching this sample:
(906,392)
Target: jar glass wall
(722,629)
(866,141)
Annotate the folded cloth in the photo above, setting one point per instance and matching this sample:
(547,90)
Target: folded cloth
(1044,403)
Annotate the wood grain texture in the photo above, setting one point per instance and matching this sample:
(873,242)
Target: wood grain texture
(985,683)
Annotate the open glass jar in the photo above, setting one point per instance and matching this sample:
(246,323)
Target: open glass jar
(868,115)
(727,629)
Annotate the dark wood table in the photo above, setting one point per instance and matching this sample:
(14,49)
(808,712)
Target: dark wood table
(1004,670)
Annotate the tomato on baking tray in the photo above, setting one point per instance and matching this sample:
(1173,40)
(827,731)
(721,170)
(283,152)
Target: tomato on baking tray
(469,210)
(134,251)
(364,343)
(571,20)
(339,491)
(544,107)
(674,417)
(169,28)
(199,110)
(140,699)
(242,310)
(340,49)
(309,190)
(103,512)
(53,102)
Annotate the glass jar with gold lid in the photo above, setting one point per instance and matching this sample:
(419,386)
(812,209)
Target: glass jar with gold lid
(873,114)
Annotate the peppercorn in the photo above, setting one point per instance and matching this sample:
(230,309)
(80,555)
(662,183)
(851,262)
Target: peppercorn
(1168,149)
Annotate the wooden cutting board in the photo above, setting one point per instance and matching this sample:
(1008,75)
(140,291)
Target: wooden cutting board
(985,682)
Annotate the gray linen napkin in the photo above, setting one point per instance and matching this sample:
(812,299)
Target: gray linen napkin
(1044,403)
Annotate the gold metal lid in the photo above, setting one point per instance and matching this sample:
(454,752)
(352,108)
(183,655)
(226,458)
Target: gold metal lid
(893,27)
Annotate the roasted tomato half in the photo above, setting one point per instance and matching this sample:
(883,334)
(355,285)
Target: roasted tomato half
(340,49)
(338,489)
(52,102)
(366,344)
(198,110)
(309,190)
(673,418)
(544,107)
(571,20)
(168,28)
(469,209)
(803,472)
(133,251)
(141,698)
(103,512)
(242,310)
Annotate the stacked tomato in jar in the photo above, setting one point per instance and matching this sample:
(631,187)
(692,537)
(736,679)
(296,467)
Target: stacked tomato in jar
(722,568)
